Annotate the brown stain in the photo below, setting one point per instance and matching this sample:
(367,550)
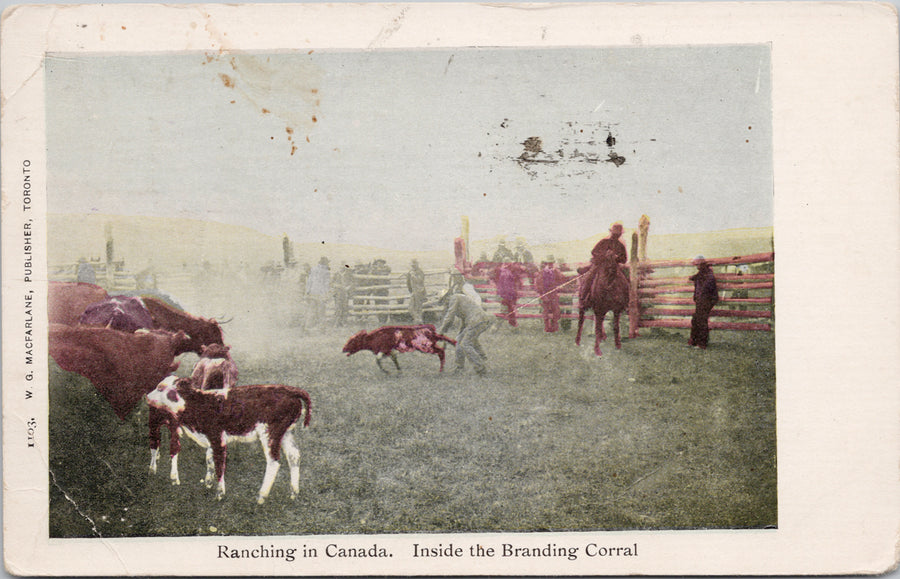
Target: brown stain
(289,130)
(533,144)
(265,111)
(227,80)
(314,119)
(123,28)
(293,150)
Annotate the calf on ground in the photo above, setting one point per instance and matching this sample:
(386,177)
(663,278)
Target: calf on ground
(265,412)
(388,340)
(215,370)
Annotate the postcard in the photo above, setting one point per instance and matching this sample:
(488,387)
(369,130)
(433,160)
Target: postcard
(450,289)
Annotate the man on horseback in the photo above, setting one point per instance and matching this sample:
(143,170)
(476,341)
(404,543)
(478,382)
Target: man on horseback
(604,286)
(610,243)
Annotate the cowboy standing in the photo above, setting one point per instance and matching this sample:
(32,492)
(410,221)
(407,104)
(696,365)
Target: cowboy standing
(547,281)
(415,283)
(318,286)
(706,295)
(507,281)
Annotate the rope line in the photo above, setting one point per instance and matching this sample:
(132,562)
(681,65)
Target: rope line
(538,298)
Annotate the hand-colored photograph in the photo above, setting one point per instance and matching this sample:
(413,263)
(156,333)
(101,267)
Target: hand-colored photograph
(411,291)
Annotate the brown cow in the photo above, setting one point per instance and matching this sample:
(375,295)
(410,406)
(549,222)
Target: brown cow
(388,340)
(66,301)
(201,331)
(268,412)
(122,366)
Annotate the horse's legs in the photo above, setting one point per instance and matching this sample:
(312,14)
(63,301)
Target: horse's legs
(598,331)
(580,325)
(616,315)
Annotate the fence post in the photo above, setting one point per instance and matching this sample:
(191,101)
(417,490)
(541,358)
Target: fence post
(638,255)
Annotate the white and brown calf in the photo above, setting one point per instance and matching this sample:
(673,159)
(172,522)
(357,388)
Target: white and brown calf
(215,370)
(265,412)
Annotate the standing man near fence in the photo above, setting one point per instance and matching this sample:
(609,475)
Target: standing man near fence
(415,283)
(547,282)
(706,296)
(507,281)
(318,287)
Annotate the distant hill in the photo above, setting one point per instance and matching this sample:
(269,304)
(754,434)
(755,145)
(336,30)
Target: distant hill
(174,243)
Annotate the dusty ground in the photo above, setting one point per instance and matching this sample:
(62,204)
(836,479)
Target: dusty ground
(655,435)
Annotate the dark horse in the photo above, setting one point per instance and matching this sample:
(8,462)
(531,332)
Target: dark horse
(608,292)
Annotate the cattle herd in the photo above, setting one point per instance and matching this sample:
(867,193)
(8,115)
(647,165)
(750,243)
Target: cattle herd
(127,348)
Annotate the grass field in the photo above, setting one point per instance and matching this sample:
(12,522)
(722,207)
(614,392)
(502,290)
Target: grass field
(653,436)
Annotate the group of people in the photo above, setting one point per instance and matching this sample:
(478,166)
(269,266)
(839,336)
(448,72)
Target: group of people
(463,303)
(318,283)
(549,279)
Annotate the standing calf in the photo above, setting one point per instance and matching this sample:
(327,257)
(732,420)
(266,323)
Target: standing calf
(215,370)
(267,412)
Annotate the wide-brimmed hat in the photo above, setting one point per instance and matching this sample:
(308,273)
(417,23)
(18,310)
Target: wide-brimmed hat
(699,260)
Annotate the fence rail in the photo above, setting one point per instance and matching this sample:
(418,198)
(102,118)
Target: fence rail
(746,298)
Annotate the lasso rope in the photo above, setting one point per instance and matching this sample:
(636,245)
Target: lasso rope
(538,298)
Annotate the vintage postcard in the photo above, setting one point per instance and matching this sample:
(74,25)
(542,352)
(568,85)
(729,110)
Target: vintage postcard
(450,289)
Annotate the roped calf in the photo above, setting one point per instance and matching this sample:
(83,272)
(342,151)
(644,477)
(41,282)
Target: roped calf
(215,370)
(388,340)
(212,418)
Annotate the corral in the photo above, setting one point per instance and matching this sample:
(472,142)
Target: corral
(653,436)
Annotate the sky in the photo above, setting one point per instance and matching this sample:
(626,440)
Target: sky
(389,148)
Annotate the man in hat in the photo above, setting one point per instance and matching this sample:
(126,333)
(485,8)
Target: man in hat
(507,278)
(609,243)
(415,283)
(547,282)
(522,254)
(706,295)
(503,254)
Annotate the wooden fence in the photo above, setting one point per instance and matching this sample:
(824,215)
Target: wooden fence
(387,295)
(661,292)
(529,303)
(663,296)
